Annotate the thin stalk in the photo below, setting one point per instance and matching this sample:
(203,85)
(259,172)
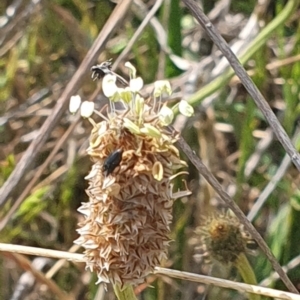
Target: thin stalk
(247,273)
(125,293)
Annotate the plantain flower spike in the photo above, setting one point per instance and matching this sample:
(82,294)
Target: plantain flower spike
(224,239)
(125,231)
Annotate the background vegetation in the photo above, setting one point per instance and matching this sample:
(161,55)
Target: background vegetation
(42,44)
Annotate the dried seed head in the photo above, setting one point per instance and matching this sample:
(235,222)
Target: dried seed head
(223,238)
(126,225)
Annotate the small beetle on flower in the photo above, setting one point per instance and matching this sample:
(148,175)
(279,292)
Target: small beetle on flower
(126,227)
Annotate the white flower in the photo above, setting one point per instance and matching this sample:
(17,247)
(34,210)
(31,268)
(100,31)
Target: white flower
(75,103)
(109,86)
(87,109)
(185,108)
(166,115)
(132,69)
(162,86)
(136,84)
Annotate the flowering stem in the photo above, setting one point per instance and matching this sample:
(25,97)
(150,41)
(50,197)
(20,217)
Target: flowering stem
(125,293)
(246,271)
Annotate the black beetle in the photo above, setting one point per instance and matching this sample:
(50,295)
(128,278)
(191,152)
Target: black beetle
(112,161)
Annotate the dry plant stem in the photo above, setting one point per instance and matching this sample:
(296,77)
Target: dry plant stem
(295,262)
(281,170)
(246,80)
(24,164)
(246,272)
(202,169)
(37,175)
(138,32)
(271,66)
(40,276)
(125,293)
(75,257)
(260,148)
(60,263)
(19,12)
(243,287)
(264,195)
